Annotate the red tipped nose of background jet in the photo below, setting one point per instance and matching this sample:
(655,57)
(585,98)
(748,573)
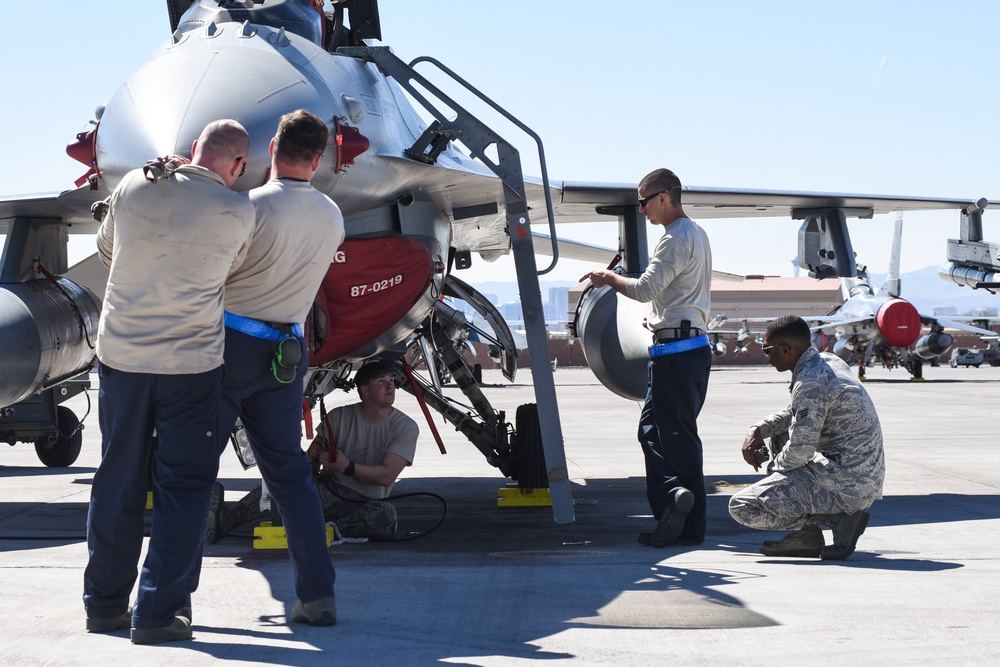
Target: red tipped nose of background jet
(899,322)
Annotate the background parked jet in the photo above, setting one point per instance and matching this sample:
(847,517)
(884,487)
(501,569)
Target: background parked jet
(879,326)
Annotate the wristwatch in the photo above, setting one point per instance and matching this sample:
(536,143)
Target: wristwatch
(349,470)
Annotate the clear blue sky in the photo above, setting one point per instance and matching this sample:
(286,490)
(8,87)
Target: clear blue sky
(894,98)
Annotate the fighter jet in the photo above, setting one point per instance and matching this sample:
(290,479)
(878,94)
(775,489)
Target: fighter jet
(882,327)
(878,326)
(421,200)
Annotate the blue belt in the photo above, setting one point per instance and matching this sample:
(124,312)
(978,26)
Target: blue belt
(258,329)
(675,346)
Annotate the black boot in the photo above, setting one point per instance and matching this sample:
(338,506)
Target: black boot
(806,542)
(847,528)
(217,526)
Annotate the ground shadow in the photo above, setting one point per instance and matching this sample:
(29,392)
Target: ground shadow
(42,470)
(493,581)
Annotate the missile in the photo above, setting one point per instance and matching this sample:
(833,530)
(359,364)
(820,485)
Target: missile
(933,344)
(968,276)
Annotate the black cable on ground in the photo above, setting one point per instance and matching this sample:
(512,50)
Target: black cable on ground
(408,538)
(417,536)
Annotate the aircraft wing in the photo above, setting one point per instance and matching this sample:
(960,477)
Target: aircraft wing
(475,203)
(71,206)
(578,201)
(586,252)
(471,196)
(955,323)
(834,320)
(818,322)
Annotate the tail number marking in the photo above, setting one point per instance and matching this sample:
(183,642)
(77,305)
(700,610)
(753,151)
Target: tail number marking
(377,286)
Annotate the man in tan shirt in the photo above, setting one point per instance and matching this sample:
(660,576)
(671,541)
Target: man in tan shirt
(297,233)
(170,243)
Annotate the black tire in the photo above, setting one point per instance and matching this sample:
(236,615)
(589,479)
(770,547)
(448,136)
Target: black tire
(975,365)
(65,450)
(529,457)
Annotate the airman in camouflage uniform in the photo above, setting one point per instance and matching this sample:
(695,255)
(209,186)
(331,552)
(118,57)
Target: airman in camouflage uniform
(827,463)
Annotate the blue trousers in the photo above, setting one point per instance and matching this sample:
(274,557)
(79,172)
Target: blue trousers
(668,433)
(183,410)
(272,414)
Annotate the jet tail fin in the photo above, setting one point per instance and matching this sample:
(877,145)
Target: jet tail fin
(891,286)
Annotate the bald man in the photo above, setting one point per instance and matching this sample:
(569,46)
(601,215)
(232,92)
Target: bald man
(170,242)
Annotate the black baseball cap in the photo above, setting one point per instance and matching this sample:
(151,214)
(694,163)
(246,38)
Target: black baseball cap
(373,369)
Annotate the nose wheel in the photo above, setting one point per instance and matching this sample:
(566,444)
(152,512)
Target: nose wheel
(529,457)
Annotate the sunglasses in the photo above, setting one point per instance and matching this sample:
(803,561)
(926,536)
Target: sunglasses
(645,200)
(766,349)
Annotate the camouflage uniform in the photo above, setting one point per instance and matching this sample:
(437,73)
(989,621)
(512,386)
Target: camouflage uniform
(355,514)
(826,450)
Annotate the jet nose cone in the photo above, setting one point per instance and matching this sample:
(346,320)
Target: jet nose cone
(227,71)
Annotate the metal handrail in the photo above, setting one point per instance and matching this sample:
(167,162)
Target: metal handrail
(524,128)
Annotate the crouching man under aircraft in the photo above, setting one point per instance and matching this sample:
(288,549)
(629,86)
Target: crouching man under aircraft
(374,442)
(828,464)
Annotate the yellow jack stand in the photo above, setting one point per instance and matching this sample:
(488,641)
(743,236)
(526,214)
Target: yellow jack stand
(267,536)
(512,496)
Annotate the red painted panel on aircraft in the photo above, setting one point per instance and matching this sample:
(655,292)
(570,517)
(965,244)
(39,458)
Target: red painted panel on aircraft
(899,322)
(370,286)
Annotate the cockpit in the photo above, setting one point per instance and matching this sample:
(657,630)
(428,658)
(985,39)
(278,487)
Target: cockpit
(301,17)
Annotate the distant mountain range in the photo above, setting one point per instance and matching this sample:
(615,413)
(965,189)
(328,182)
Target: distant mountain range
(923,288)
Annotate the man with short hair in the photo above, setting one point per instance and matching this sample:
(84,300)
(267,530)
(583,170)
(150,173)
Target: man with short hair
(298,230)
(828,464)
(170,242)
(374,442)
(677,284)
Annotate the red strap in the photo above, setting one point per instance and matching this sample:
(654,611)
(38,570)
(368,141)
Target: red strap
(329,429)
(307,416)
(423,406)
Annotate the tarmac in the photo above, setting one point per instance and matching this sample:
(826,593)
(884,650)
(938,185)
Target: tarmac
(508,586)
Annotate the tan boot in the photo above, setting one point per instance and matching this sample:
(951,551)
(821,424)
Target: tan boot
(321,612)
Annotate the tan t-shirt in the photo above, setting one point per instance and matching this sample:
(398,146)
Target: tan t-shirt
(170,245)
(367,441)
(297,233)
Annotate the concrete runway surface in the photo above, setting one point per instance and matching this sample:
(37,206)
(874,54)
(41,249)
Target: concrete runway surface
(508,586)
